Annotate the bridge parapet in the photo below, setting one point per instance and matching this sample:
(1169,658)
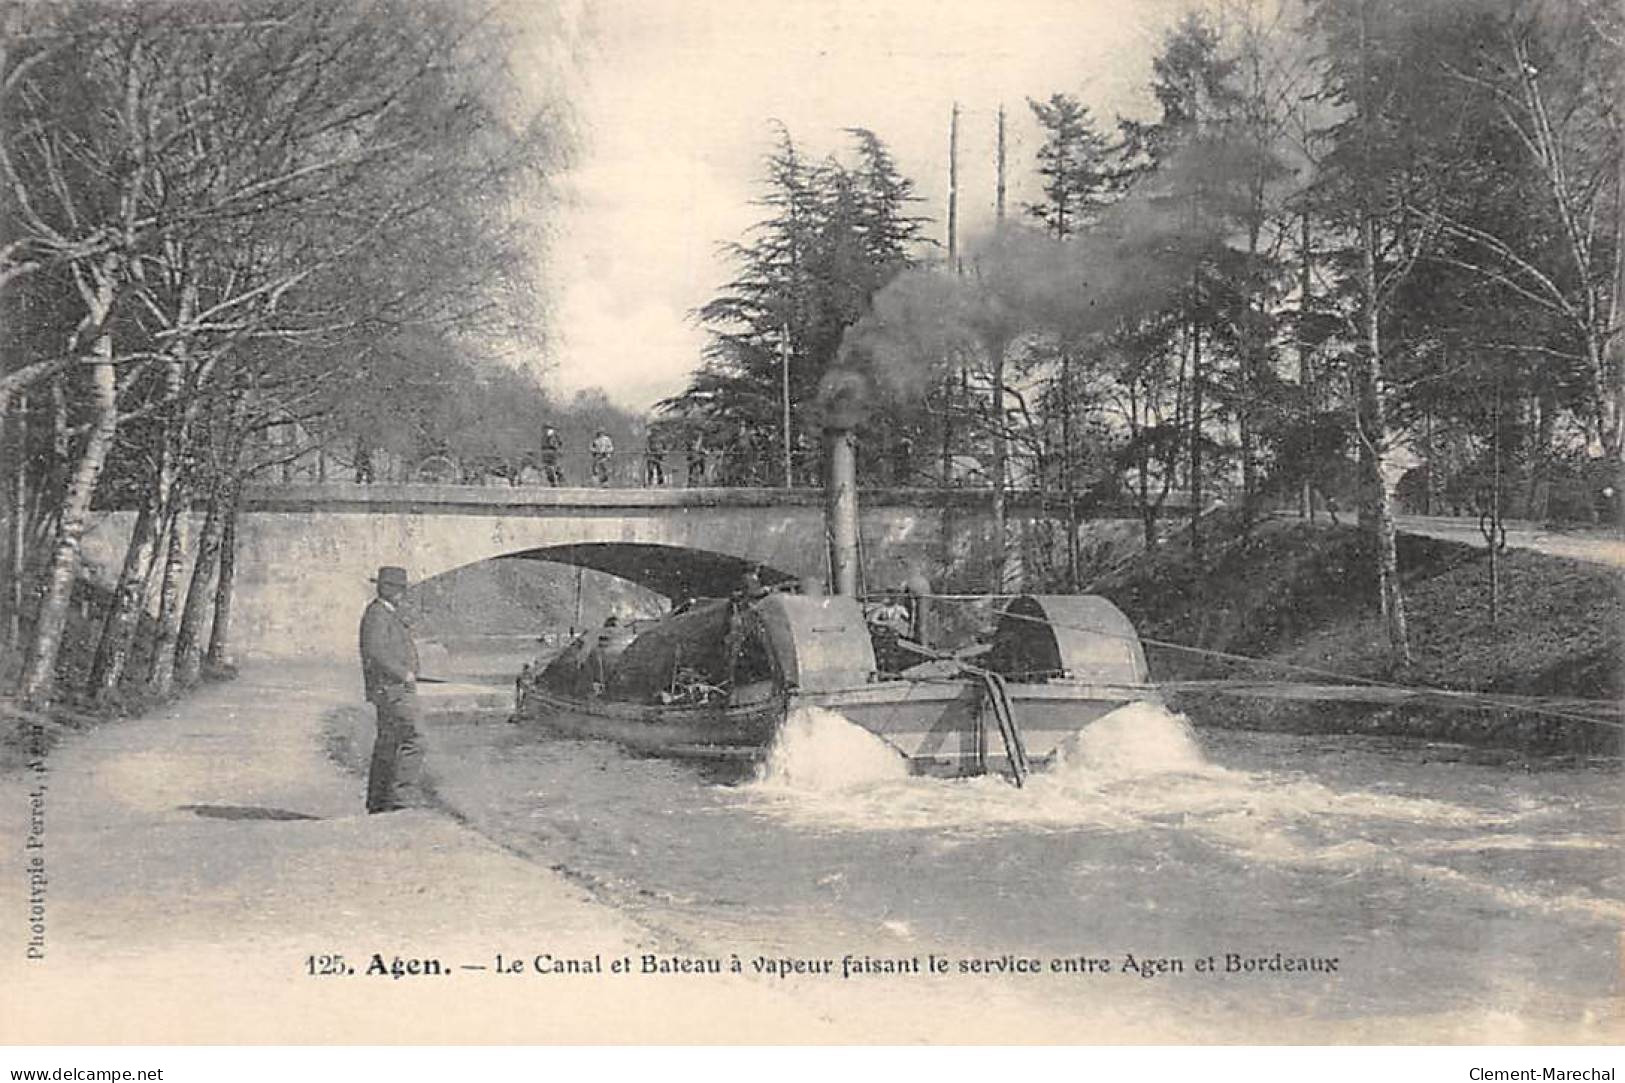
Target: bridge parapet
(430,497)
(396,496)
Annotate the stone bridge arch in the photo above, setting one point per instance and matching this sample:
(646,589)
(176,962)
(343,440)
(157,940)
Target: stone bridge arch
(303,573)
(305,552)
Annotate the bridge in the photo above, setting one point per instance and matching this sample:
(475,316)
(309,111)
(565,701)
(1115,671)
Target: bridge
(305,552)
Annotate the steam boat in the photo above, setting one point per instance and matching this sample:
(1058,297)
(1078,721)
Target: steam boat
(717,678)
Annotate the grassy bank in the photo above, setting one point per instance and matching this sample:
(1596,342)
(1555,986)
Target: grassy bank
(1286,591)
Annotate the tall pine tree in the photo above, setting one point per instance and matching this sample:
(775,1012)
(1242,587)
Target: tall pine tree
(836,232)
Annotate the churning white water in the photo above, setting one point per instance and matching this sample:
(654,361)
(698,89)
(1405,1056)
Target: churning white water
(1107,777)
(1479,883)
(821,750)
(1138,738)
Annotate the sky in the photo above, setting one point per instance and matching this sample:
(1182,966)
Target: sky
(677,102)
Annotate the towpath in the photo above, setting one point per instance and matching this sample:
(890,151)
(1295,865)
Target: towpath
(195,860)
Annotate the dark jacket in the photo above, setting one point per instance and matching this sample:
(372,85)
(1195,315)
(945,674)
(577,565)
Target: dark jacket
(389,658)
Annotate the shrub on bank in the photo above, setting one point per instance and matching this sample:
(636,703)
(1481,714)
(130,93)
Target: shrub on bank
(1287,591)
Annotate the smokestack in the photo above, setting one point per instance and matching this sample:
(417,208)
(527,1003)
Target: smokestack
(841,511)
(845,396)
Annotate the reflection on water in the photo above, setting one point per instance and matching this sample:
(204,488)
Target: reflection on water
(1442,886)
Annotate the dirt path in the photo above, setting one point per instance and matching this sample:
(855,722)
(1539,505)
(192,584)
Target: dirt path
(185,892)
(1591,546)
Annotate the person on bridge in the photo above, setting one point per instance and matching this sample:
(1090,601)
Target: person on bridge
(654,459)
(389,672)
(602,448)
(552,447)
(696,459)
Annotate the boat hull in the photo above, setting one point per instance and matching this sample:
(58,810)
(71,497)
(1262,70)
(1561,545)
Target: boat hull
(727,733)
(941,727)
(947,728)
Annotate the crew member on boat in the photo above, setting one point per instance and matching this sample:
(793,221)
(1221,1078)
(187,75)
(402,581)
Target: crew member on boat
(888,622)
(750,591)
(612,639)
(921,627)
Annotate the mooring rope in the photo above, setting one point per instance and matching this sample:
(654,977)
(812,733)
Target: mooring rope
(1474,698)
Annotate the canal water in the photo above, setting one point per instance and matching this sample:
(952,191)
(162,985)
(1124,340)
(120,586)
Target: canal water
(1445,883)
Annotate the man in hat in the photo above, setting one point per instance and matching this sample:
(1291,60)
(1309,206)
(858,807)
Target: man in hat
(389,670)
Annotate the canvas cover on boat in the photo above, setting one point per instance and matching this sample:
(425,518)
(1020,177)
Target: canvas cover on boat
(1083,637)
(815,643)
(695,641)
(567,673)
(583,668)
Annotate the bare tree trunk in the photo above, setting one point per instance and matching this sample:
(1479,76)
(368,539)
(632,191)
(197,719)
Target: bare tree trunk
(39,675)
(1373,445)
(1010,555)
(1496,534)
(161,665)
(1430,490)
(219,653)
(1306,370)
(189,634)
(285,439)
(17,534)
(118,629)
(61,443)
(1196,432)
(1148,516)
(151,584)
(1538,502)
(1616,308)
(1254,362)
(140,561)
(189,641)
(1372,428)
(1249,464)
(1368,475)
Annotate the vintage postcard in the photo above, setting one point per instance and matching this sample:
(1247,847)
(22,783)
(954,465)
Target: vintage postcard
(819,522)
